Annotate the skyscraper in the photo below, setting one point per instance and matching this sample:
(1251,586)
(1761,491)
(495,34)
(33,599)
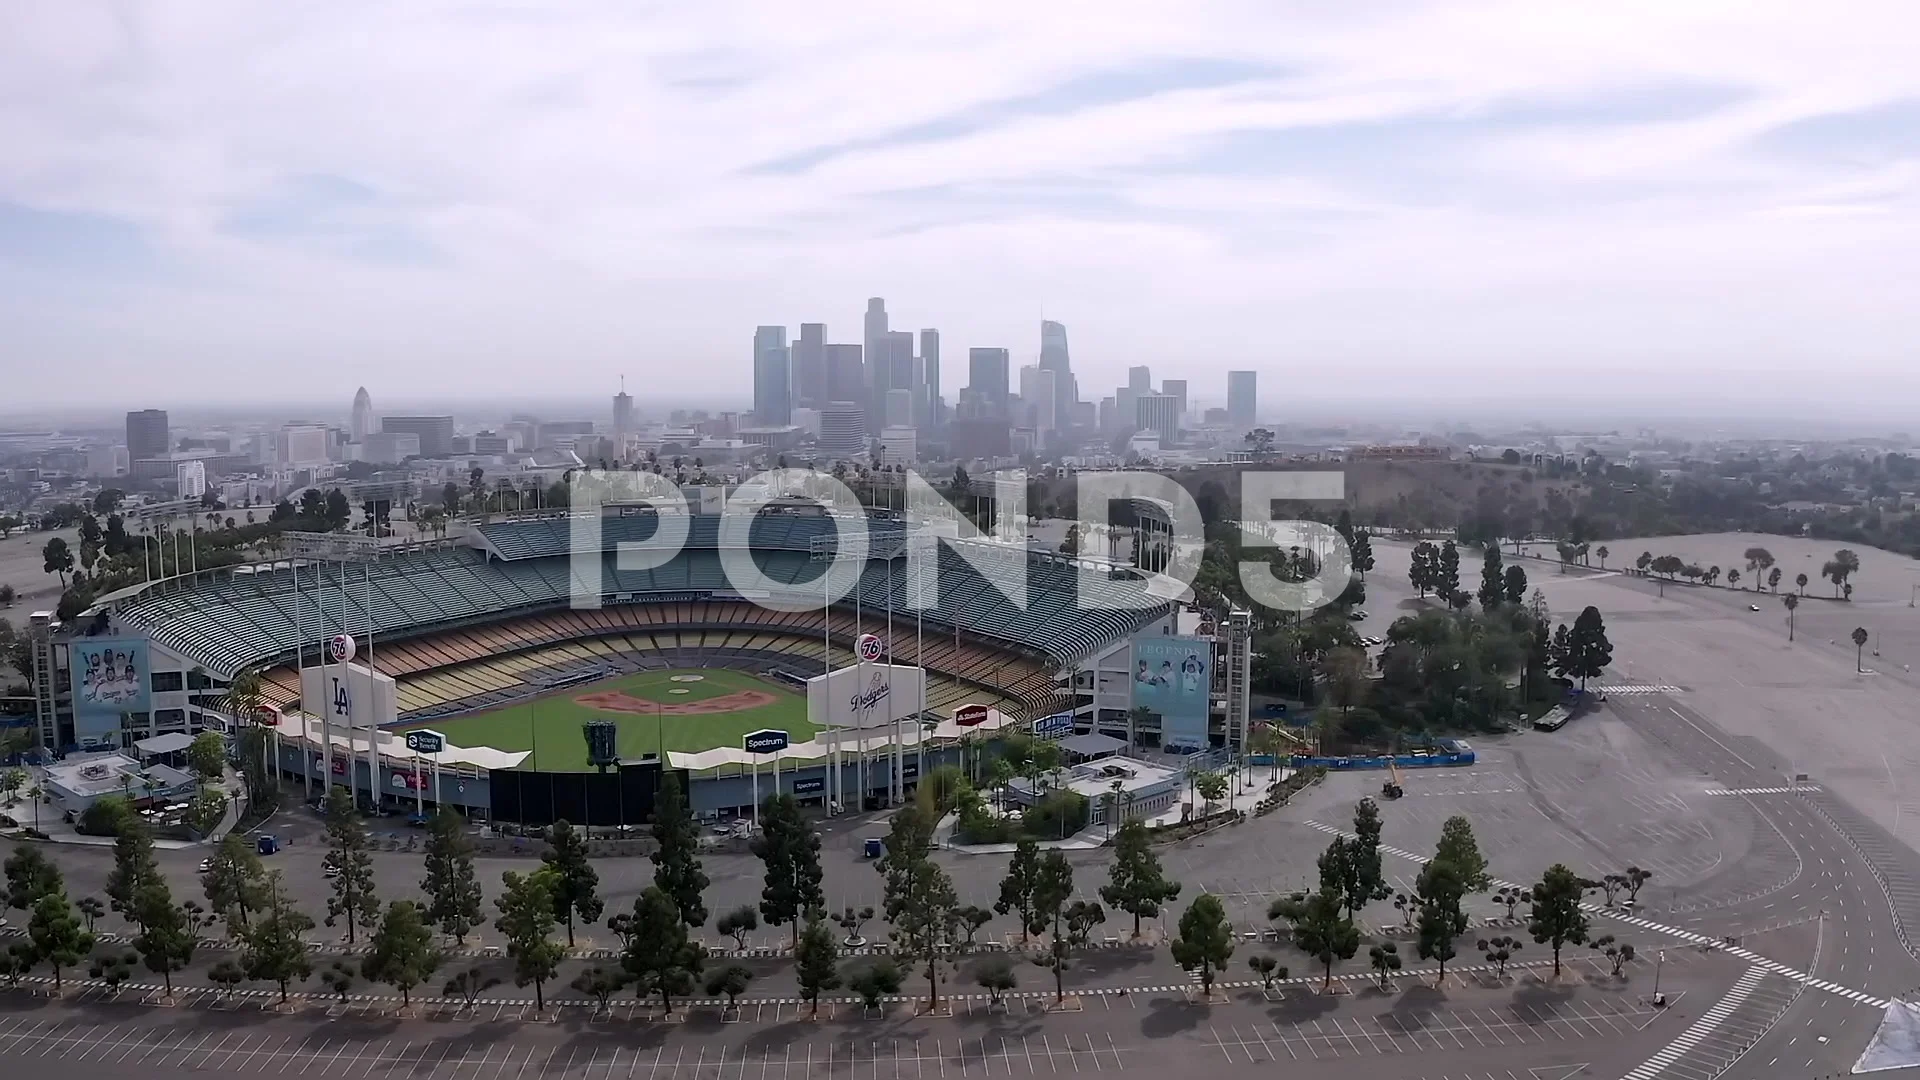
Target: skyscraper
(622,414)
(843,428)
(1040,396)
(1053,357)
(772,377)
(929,378)
(810,378)
(362,425)
(875,326)
(846,374)
(147,435)
(987,377)
(1140,379)
(1177,390)
(1157,413)
(895,363)
(1243,400)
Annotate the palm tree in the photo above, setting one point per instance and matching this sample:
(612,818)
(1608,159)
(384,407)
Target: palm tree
(1733,578)
(1800,582)
(1603,553)
(1792,602)
(1859,643)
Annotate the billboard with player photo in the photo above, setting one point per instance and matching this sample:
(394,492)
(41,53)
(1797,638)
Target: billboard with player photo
(110,676)
(1173,677)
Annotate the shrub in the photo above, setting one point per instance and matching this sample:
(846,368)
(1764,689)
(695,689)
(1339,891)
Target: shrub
(1059,815)
(105,816)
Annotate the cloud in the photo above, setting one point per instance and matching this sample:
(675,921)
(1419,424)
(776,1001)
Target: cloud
(456,195)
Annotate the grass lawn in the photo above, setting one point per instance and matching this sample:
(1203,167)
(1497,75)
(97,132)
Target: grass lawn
(557,717)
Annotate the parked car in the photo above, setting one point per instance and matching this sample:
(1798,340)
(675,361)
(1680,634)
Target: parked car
(206,865)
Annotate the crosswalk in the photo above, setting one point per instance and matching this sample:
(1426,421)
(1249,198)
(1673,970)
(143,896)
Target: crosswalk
(1787,790)
(1700,1028)
(1637,689)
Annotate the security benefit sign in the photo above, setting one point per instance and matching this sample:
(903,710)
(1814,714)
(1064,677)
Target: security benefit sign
(1173,677)
(348,695)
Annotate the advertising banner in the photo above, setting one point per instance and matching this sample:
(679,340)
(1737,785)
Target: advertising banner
(865,696)
(1173,677)
(110,675)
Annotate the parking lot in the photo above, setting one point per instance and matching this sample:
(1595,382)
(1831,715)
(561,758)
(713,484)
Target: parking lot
(1422,1030)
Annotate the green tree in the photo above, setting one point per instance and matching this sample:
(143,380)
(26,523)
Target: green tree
(1320,928)
(1019,888)
(1589,652)
(275,948)
(659,956)
(235,881)
(1362,553)
(1792,601)
(875,981)
(1446,581)
(1052,890)
(401,953)
(1369,877)
(339,977)
(30,876)
(676,862)
(1758,560)
(600,983)
(575,884)
(351,854)
(1493,585)
(1514,582)
(1556,918)
(972,918)
(1859,637)
(729,982)
(920,901)
(788,848)
(207,756)
(133,868)
(1205,941)
(1339,874)
(56,935)
(1459,849)
(167,941)
(91,911)
(1268,968)
(996,977)
(227,974)
(57,558)
(1498,951)
(1384,958)
(1441,919)
(738,923)
(816,962)
(451,886)
(1136,884)
(526,921)
(468,985)
(114,970)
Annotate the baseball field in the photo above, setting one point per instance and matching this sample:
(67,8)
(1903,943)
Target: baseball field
(683,711)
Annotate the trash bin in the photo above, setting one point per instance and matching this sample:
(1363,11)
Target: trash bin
(873,847)
(267,845)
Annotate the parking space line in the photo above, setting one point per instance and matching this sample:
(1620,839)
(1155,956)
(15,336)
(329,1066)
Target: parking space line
(102,1045)
(14,1037)
(162,1059)
(51,1040)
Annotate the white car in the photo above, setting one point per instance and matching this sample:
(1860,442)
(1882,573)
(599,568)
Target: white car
(206,865)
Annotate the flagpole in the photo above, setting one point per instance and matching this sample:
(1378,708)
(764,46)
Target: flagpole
(299,672)
(373,753)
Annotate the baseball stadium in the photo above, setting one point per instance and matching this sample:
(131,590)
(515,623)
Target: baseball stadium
(481,642)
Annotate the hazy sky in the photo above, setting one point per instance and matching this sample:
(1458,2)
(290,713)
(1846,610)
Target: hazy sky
(217,201)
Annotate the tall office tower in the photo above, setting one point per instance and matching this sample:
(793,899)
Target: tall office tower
(899,412)
(810,366)
(1123,407)
(875,341)
(895,363)
(772,377)
(1158,413)
(147,435)
(843,428)
(1243,398)
(1040,394)
(930,407)
(622,414)
(362,415)
(987,377)
(436,432)
(302,445)
(1107,417)
(1140,379)
(846,374)
(1053,357)
(1177,390)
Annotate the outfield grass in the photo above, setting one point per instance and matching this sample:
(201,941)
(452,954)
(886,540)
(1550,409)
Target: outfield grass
(556,718)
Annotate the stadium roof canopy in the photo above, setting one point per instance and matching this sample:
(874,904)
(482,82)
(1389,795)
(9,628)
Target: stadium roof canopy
(226,620)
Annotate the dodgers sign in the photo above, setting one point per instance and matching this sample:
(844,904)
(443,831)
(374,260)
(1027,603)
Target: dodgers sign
(349,695)
(766,742)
